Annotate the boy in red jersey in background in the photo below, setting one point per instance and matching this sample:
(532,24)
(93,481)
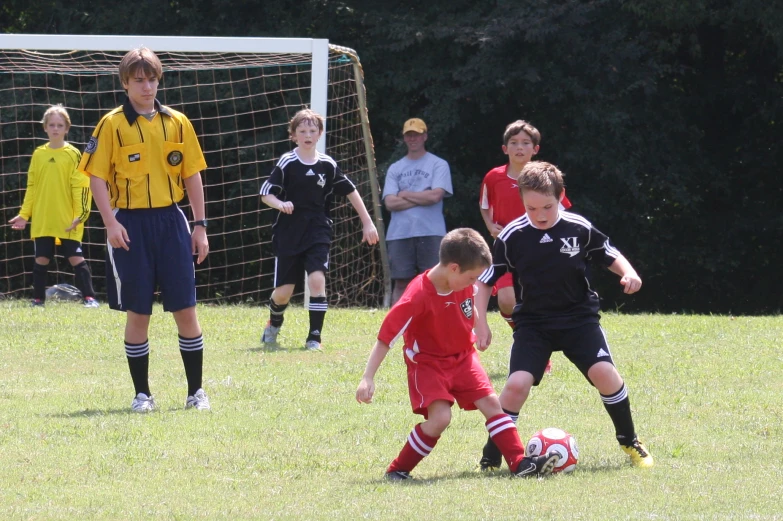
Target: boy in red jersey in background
(500,202)
(435,317)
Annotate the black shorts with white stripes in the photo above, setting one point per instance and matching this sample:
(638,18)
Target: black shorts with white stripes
(584,346)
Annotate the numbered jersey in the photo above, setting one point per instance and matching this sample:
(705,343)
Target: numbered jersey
(432,325)
(550,268)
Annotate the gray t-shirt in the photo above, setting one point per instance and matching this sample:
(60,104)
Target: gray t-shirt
(416,175)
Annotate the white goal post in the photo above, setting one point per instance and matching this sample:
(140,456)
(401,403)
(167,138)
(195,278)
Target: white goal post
(312,76)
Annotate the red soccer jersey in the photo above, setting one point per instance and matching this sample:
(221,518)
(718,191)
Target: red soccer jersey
(500,195)
(431,324)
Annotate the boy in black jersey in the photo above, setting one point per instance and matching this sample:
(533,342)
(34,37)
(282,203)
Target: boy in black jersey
(547,250)
(301,188)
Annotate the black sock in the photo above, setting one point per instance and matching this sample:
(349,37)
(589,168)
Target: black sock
(619,408)
(192,352)
(276,313)
(139,365)
(491,451)
(40,273)
(317,311)
(83,279)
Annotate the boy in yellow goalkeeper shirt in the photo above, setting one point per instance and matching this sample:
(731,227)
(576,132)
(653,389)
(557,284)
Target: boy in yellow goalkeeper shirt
(57,201)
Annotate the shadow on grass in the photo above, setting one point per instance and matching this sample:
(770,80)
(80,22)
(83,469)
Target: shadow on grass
(277,348)
(504,474)
(87,413)
(415,481)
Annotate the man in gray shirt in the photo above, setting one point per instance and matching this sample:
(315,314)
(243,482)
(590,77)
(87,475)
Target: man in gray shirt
(413,193)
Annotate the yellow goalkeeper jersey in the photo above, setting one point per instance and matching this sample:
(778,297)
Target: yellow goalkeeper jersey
(143,162)
(57,193)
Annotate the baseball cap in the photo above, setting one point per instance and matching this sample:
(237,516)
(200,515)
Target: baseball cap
(416,125)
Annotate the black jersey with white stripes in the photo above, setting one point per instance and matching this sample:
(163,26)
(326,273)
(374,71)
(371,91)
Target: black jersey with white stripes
(550,269)
(311,187)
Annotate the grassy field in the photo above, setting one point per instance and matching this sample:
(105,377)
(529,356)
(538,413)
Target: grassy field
(286,439)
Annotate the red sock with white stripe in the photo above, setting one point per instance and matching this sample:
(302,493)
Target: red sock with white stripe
(418,446)
(508,319)
(504,433)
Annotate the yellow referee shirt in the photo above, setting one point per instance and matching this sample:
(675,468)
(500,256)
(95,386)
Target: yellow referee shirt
(57,193)
(143,162)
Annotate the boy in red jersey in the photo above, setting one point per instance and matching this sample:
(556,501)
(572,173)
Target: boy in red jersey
(435,318)
(500,202)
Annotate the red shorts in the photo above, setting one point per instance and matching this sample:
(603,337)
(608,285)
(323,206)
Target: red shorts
(459,378)
(507,280)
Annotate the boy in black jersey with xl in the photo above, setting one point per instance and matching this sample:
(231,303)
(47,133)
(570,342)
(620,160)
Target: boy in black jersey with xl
(301,187)
(547,251)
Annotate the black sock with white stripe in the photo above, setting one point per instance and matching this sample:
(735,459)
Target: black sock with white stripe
(192,352)
(83,279)
(317,311)
(619,408)
(139,364)
(276,313)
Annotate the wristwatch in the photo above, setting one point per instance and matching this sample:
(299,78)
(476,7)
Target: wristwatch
(202,222)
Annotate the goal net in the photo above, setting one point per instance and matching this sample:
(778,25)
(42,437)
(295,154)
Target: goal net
(240,94)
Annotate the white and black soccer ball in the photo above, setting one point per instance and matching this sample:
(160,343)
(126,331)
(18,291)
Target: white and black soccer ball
(556,440)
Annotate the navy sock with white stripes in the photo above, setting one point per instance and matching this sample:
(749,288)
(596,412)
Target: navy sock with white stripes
(192,352)
(317,310)
(139,364)
(619,408)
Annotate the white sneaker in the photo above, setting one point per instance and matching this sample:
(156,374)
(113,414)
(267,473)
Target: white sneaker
(313,345)
(143,403)
(90,302)
(269,336)
(199,400)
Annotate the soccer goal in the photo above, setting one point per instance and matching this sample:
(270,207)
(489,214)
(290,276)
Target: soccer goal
(240,94)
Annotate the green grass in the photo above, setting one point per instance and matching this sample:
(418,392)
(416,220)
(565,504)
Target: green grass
(287,440)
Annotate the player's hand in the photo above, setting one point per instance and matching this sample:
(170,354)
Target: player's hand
(632,283)
(286,207)
(199,243)
(483,335)
(369,234)
(18,222)
(117,236)
(495,230)
(365,391)
(73,225)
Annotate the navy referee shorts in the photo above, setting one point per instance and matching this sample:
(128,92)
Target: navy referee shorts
(159,258)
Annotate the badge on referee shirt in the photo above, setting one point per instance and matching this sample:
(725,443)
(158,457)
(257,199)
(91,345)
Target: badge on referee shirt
(92,145)
(174,158)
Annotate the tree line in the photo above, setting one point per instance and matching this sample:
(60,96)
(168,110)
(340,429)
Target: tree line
(665,117)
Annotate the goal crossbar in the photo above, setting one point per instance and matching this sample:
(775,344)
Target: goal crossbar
(64,55)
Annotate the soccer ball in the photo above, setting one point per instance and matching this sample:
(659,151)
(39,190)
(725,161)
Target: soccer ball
(555,440)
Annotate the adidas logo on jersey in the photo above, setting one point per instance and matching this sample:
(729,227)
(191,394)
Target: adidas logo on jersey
(51,160)
(310,172)
(601,353)
(545,238)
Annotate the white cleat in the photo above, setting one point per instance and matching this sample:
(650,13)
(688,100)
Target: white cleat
(143,403)
(199,401)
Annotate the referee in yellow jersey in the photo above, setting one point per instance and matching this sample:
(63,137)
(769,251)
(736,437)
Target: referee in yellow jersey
(141,158)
